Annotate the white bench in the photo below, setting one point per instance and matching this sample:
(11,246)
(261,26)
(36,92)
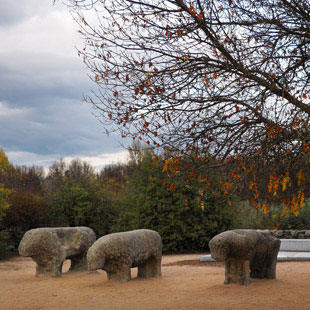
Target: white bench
(295,245)
(294,249)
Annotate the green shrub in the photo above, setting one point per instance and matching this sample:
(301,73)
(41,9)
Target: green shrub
(248,217)
(299,222)
(3,242)
(177,214)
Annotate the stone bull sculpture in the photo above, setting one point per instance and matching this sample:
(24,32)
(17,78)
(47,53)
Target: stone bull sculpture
(119,252)
(50,247)
(247,253)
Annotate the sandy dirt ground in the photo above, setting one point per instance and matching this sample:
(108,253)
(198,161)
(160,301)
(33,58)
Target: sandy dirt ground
(186,284)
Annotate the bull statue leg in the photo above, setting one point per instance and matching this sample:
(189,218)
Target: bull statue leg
(270,268)
(237,271)
(78,263)
(49,266)
(121,274)
(150,269)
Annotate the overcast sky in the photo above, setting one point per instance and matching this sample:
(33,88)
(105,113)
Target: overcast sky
(42,81)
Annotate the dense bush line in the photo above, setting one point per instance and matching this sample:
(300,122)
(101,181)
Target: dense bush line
(187,213)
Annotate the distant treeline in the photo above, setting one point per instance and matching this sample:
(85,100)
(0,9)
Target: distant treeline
(186,212)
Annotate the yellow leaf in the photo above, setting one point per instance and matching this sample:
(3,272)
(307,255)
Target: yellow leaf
(301,199)
(202,205)
(285,209)
(166,164)
(285,181)
(273,184)
(252,185)
(265,207)
(248,169)
(300,177)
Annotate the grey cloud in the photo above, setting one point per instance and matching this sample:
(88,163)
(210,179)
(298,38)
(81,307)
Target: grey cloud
(42,107)
(58,127)
(13,12)
(40,75)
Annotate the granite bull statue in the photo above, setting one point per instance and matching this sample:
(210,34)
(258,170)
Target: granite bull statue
(247,254)
(50,247)
(119,252)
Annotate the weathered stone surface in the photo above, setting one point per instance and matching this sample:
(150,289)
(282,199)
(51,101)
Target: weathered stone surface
(119,252)
(291,234)
(50,247)
(247,253)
